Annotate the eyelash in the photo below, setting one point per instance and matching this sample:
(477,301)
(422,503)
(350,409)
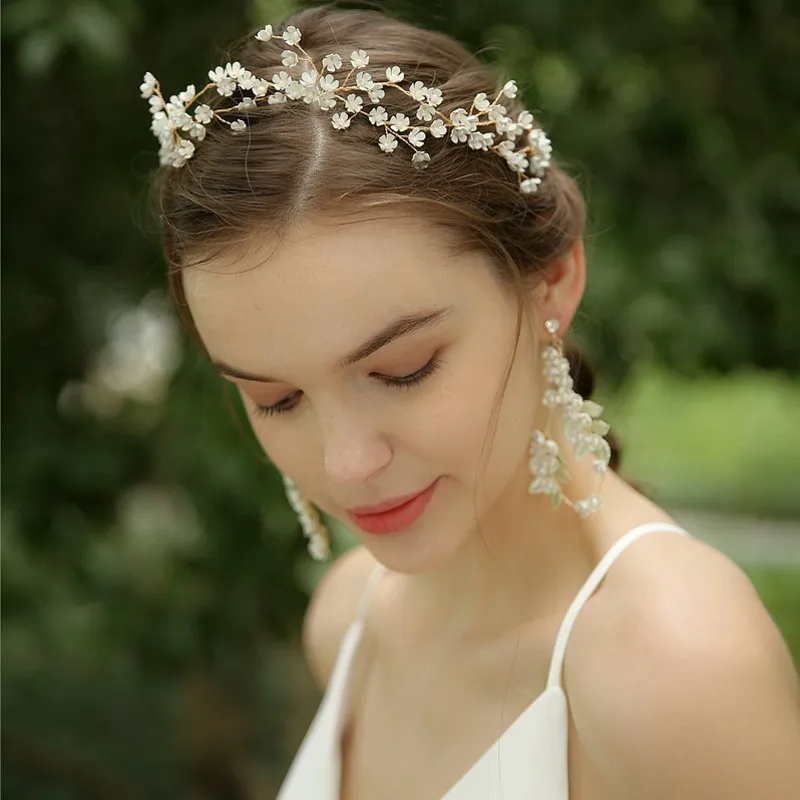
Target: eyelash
(399,382)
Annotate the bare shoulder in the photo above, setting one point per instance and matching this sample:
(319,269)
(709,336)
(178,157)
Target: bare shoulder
(680,685)
(332,608)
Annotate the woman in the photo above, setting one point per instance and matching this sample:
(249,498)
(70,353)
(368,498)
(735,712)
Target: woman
(374,245)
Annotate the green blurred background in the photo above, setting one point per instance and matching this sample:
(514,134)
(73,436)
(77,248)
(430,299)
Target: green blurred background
(153,576)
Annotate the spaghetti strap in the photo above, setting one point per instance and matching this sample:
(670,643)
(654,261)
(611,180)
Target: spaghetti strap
(366,596)
(591,584)
(352,638)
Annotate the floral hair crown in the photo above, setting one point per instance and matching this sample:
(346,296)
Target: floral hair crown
(175,127)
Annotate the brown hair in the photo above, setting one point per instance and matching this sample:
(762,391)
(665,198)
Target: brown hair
(291,163)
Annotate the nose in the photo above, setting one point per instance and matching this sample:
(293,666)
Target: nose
(354,451)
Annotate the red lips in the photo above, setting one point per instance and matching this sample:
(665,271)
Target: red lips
(393,515)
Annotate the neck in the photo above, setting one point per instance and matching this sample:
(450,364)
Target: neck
(525,561)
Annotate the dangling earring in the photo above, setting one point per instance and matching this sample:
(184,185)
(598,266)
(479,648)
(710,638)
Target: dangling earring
(310,523)
(583,429)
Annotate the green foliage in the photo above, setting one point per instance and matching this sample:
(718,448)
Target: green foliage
(779,589)
(724,443)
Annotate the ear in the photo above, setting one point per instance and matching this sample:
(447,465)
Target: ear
(559,294)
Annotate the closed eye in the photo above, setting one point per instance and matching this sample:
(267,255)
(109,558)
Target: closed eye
(281,407)
(409,381)
(412,379)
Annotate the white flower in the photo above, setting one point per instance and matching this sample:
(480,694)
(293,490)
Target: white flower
(513,129)
(247,80)
(435,96)
(308,79)
(225,84)
(399,123)
(543,151)
(416,137)
(294,91)
(178,116)
(387,142)
(156,103)
(234,70)
(394,74)
(420,160)
(378,116)
(510,90)
(276,97)
(538,139)
(291,36)
(166,155)
(310,94)
(332,62)
(426,112)
(281,80)
(463,125)
(353,103)
(506,126)
(497,113)
(476,141)
(198,132)
(481,101)
(148,85)
(525,120)
(238,125)
(376,93)
(461,119)
(359,59)
(340,121)
(160,125)
(185,148)
(438,128)
(289,58)
(203,114)
(481,141)
(327,83)
(326,101)
(246,102)
(265,34)
(418,91)
(364,81)
(517,161)
(260,87)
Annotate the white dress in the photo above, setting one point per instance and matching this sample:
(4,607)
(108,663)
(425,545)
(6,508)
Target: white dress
(529,760)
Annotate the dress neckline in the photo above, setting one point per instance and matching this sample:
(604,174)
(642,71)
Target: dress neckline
(342,682)
(340,687)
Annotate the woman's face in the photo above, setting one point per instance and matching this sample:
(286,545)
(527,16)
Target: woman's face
(369,359)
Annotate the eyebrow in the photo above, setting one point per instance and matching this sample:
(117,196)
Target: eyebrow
(403,326)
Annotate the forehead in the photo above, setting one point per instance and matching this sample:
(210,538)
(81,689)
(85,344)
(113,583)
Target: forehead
(323,288)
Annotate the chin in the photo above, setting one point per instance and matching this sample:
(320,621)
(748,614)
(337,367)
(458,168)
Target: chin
(426,547)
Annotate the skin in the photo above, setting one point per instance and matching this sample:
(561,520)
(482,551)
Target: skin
(482,580)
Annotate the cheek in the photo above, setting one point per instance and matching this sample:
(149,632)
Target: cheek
(286,451)
(276,439)
(467,426)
